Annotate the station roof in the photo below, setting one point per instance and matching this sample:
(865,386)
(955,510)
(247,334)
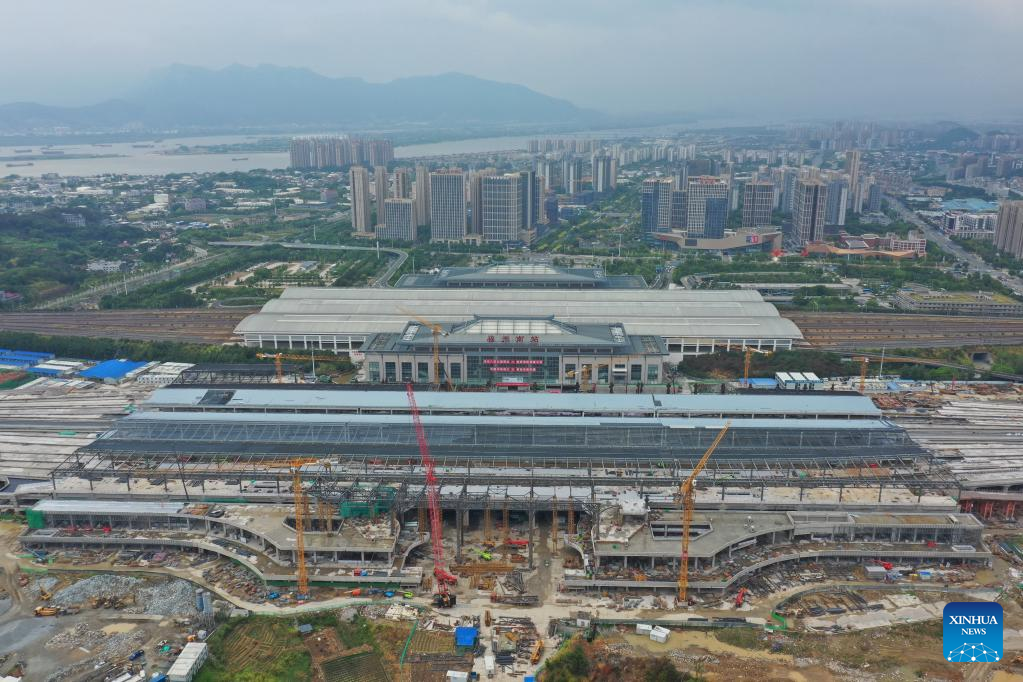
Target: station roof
(522,275)
(732,314)
(801,403)
(93,506)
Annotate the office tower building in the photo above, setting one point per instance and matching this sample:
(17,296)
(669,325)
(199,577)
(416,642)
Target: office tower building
(698,191)
(529,192)
(838,199)
(677,216)
(655,204)
(447,206)
(788,188)
(874,195)
(502,207)
(402,183)
(715,217)
(399,220)
(1009,230)
(602,173)
(358,194)
(550,210)
(809,202)
(757,203)
(380,191)
(422,195)
(852,167)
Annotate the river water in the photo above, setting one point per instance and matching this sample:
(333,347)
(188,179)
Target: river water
(150,158)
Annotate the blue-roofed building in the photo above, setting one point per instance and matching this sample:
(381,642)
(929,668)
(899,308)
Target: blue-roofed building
(466,637)
(111,370)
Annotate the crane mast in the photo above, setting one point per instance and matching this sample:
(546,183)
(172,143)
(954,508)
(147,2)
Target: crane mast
(688,504)
(440,574)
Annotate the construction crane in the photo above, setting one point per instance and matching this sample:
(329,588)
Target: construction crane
(863,373)
(301,512)
(746,363)
(279,368)
(438,331)
(443,597)
(686,492)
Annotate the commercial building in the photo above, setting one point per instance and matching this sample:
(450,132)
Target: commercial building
(1009,231)
(447,206)
(358,184)
(690,322)
(741,241)
(757,203)
(838,199)
(522,276)
(655,204)
(698,192)
(399,220)
(809,203)
(515,352)
(503,202)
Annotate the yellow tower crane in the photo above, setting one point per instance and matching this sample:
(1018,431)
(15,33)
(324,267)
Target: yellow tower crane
(688,496)
(863,373)
(301,512)
(438,331)
(279,368)
(746,363)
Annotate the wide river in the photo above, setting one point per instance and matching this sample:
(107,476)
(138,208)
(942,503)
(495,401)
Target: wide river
(150,158)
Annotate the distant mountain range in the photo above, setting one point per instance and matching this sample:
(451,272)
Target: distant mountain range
(266,96)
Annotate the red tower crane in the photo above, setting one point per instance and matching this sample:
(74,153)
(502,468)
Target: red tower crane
(442,597)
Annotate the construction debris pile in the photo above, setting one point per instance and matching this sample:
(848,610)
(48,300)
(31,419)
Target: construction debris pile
(514,641)
(135,595)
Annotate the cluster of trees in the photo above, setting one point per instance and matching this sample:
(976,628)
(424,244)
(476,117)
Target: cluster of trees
(575,664)
(41,254)
(104,349)
(987,250)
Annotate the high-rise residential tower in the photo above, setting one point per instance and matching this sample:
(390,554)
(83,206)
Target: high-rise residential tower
(399,220)
(422,196)
(380,190)
(1009,230)
(358,188)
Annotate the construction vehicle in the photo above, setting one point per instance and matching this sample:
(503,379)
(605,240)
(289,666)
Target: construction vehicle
(43,611)
(886,565)
(516,543)
(740,598)
(438,331)
(279,368)
(44,595)
(442,598)
(537,652)
(687,493)
(485,555)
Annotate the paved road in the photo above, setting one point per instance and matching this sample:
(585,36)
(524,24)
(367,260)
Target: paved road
(381,281)
(976,263)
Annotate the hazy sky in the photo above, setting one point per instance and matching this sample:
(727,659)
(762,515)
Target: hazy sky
(785,58)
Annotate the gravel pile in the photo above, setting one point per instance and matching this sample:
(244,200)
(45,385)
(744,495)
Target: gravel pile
(122,644)
(79,635)
(34,588)
(96,586)
(171,598)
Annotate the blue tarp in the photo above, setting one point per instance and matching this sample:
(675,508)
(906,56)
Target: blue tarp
(466,636)
(111,369)
(763,383)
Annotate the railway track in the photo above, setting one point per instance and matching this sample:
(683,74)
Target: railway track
(851,331)
(201,325)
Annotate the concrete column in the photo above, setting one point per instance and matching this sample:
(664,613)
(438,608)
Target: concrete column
(532,525)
